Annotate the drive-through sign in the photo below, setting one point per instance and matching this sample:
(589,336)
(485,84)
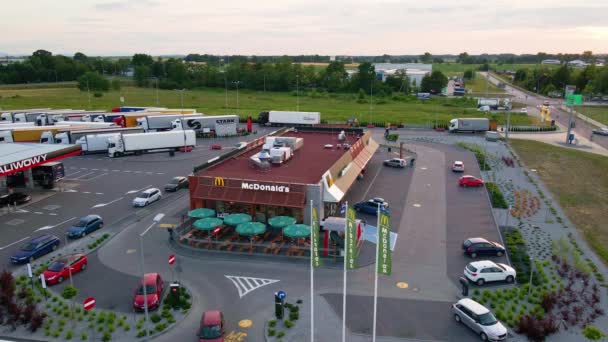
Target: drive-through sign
(171,259)
(88,303)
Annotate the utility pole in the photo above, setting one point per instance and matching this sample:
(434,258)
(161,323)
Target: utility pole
(157,103)
(371,98)
(88,92)
(237,95)
(508,126)
(570,122)
(297,93)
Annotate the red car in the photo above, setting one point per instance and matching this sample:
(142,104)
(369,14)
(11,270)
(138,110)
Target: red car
(215,147)
(154,291)
(470,181)
(60,270)
(212,327)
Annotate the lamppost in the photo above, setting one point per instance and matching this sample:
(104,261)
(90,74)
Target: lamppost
(297,93)
(156,81)
(155,221)
(237,95)
(181,97)
(226,92)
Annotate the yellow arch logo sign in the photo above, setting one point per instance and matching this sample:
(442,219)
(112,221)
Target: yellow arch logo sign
(219,181)
(384,220)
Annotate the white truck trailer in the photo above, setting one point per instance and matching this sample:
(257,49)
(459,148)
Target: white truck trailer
(157,123)
(469,125)
(144,142)
(222,125)
(282,118)
(71,137)
(96,143)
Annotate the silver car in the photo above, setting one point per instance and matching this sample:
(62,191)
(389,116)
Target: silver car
(479,319)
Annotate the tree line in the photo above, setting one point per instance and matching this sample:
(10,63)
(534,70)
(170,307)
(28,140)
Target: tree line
(588,80)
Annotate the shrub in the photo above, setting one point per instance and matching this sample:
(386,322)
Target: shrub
(160,327)
(272,323)
(84,336)
(106,337)
(69,334)
(294,316)
(280,334)
(288,324)
(496,197)
(155,318)
(141,333)
(271,332)
(592,333)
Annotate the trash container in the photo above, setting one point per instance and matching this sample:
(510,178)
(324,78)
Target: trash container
(172,153)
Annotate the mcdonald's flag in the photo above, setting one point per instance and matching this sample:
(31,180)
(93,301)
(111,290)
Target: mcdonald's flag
(351,239)
(383,255)
(314,238)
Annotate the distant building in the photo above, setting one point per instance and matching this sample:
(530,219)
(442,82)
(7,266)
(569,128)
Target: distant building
(551,61)
(600,62)
(414,71)
(577,63)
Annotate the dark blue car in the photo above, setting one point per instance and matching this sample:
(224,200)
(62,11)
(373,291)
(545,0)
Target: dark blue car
(371,207)
(35,248)
(84,226)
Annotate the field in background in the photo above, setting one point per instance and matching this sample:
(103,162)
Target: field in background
(597,113)
(333,107)
(578,180)
(478,86)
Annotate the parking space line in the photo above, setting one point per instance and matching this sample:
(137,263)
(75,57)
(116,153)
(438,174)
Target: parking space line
(138,190)
(86,192)
(101,175)
(86,174)
(105,204)
(116,170)
(371,184)
(56,225)
(14,243)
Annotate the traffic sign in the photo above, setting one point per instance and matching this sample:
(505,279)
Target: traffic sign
(43,281)
(281,294)
(171,259)
(29,270)
(88,303)
(574,99)
(216,230)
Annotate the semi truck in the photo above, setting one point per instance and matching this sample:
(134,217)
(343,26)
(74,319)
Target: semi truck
(138,143)
(219,125)
(95,143)
(162,122)
(30,134)
(282,118)
(130,119)
(127,109)
(9,115)
(72,136)
(471,125)
(47,174)
(492,103)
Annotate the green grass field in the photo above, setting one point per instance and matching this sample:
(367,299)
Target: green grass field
(333,107)
(478,86)
(579,182)
(597,113)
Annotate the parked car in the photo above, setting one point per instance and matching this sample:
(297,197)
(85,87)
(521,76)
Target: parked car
(146,197)
(479,319)
(212,327)
(523,110)
(481,272)
(370,207)
(60,270)
(177,183)
(475,247)
(458,166)
(470,181)
(14,198)
(35,248)
(395,162)
(84,226)
(379,200)
(601,131)
(154,292)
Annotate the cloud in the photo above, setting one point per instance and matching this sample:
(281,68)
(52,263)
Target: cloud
(125,4)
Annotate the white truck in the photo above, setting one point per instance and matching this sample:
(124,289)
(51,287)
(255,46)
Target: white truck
(163,122)
(492,103)
(95,143)
(138,143)
(72,136)
(282,118)
(221,125)
(469,125)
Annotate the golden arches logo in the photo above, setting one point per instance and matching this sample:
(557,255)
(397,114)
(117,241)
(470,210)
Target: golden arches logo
(219,181)
(384,220)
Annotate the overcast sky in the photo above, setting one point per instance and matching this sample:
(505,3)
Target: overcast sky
(327,27)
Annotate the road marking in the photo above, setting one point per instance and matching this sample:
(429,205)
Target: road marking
(83,168)
(101,175)
(423,168)
(99,193)
(38,212)
(402,285)
(105,170)
(16,242)
(160,173)
(136,171)
(14,222)
(105,204)
(138,190)
(73,173)
(53,214)
(370,184)
(127,171)
(116,170)
(22,211)
(70,190)
(58,224)
(95,169)
(245,323)
(86,192)
(417,205)
(167,225)
(131,251)
(86,174)
(235,336)
(244,285)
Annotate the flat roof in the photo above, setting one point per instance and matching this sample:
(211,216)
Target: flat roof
(305,167)
(20,156)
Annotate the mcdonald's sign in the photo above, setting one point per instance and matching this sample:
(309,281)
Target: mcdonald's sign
(219,181)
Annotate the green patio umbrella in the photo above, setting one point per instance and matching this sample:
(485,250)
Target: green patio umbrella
(201,213)
(250,228)
(281,221)
(236,219)
(297,231)
(207,223)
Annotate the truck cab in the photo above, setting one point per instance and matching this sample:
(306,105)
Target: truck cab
(6,136)
(47,138)
(115,146)
(143,123)
(6,117)
(62,138)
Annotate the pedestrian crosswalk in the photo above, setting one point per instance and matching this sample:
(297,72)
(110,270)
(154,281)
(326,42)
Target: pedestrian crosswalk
(245,285)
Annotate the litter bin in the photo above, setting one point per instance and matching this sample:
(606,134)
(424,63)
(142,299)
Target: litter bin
(172,153)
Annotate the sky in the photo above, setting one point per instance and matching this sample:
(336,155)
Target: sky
(294,27)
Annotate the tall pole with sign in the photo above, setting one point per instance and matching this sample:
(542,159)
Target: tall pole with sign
(344,274)
(572,100)
(315,261)
(383,258)
(350,257)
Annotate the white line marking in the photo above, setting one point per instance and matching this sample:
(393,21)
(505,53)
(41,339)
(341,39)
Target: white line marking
(105,204)
(22,211)
(58,224)
(83,168)
(116,170)
(127,171)
(86,174)
(95,169)
(138,190)
(38,212)
(99,193)
(73,173)
(136,171)
(243,284)
(370,184)
(16,242)
(101,175)
(53,214)
(70,190)
(105,170)
(160,173)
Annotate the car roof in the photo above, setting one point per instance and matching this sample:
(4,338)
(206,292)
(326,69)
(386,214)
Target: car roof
(179,177)
(150,278)
(149,190)
(42,238)
(211,317)
(472,305)
(458,162)
(90,217)
(483,264)
(477,240)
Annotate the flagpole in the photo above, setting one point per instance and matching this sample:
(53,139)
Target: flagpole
(312,279)
(376,276)
(344,278)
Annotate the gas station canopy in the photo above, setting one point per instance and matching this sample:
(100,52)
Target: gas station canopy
(15,157)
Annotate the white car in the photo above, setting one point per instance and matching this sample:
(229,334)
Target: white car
(523,110)
(458,166)
(146,197)
(479,319)
(481,272)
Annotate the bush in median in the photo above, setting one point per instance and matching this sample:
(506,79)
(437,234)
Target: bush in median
(496,197)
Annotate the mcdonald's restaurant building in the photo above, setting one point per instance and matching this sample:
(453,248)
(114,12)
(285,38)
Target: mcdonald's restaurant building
(316,167)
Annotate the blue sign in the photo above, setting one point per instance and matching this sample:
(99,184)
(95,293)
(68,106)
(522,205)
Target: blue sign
(281,294)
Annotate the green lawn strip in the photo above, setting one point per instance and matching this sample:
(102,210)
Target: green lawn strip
(597,113)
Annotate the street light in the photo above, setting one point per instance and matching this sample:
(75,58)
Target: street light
(297,93)
(237,95)
(155,221)
(181,97)
(156,79)
(226,87)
